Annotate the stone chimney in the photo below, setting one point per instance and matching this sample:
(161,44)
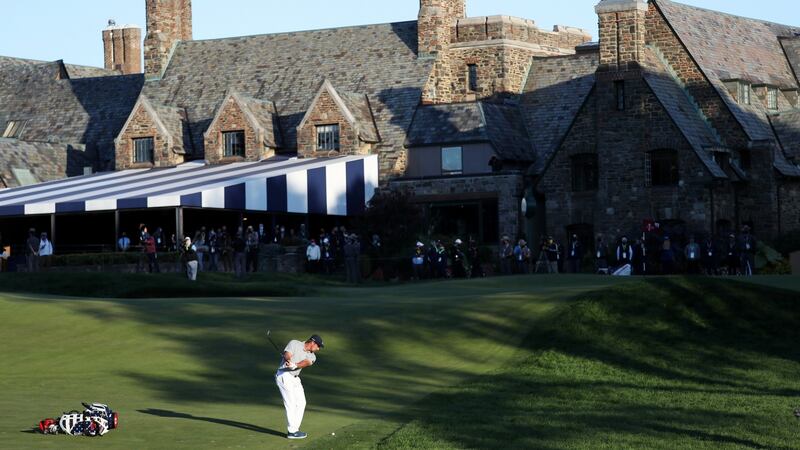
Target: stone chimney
(168,22)
(622,33)
(122,48)
(437,21)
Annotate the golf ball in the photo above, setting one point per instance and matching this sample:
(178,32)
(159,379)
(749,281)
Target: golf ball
(333,434)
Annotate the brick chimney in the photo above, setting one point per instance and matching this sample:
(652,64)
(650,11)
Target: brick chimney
(168,22)
(622,33)
(436,22)
(122,48)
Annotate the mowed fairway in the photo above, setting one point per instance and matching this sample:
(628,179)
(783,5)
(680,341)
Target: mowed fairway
(521,362)
(197,373)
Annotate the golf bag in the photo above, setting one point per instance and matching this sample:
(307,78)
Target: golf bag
(624,271)
(95,420)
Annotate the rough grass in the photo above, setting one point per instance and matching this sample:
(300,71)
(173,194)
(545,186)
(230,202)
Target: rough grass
(661,363)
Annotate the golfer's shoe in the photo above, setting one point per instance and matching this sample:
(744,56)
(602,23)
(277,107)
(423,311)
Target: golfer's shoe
(297,435)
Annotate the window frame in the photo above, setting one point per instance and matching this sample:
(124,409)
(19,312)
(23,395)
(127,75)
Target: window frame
(13,129)
(655,173)
(772,98)
(472,78)
(230,147)
(451,172)
(151,155)
(582,164)
(328,137)
(743,93)
(619,94)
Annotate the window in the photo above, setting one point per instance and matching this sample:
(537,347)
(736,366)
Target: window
(744,93)
(143,150)
(472,73)
(772,98)
(584,173)
(14,128)
(451,161)
(619,88)
(234,143)
(662,168)
(328,137)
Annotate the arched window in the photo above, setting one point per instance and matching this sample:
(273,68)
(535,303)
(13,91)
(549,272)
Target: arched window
(662,168)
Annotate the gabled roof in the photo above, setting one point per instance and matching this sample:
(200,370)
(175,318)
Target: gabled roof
(378,61)
(685,114)
(466,123)
(729,47)
(261,114)
(73,70)
(170,121)
(354,107)
(88,111)
(554,93)
(791,47)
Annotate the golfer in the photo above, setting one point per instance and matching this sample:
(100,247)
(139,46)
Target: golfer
(296,356)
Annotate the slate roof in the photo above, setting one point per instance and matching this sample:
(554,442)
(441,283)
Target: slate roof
(378,61)
(554,92)
(686,115)
(728,47)
(358,105)
(82,112)
(266,115)
(46,161)
(74,71)
(791,47)
(465,123)
(787,128)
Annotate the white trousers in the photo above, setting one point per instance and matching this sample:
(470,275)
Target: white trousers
(191,270)
(294,399)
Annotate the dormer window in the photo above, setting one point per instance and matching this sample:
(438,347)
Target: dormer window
(328,137)
(452,162)
(744,93)
(772,98)
(143,150)
(234,143)
(14,128)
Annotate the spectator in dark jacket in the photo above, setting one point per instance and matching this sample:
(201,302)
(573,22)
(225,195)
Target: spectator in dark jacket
(575,254)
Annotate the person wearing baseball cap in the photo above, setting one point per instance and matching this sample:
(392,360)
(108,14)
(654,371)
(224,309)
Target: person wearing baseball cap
(296,356)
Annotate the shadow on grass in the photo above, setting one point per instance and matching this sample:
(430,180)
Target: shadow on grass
(229,423)
(659,363)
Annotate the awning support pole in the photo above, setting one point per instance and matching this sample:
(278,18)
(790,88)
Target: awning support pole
(116,229)
(179,225)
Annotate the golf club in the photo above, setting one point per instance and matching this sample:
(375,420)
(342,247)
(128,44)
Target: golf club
(269,333)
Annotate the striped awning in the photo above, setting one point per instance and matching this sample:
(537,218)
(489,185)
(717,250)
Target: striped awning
(339,186)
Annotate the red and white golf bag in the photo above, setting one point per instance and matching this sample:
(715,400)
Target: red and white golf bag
(95,420)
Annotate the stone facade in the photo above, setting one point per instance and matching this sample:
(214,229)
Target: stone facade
(232,117)
(168,21)
(436,21)
(500,48)
(144,123)
(327,111)
(122,48)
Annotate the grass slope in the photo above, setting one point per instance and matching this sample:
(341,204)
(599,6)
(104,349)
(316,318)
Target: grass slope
(660,363)
(197,373)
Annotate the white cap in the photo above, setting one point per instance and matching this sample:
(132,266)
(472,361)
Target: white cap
(458,241)
(420,244)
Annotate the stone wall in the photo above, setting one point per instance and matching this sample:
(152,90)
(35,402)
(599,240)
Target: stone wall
(507,187)
(232,118)
(168,21)
(486,28)
(140,126)
(326,112)
(623,200)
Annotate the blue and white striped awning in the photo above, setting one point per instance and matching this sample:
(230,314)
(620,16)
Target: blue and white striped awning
(339,186)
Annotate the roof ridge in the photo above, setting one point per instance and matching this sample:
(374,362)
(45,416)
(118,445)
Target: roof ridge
(763,21)
(286,33)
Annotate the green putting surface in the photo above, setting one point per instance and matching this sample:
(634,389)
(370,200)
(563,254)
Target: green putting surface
(520,362)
